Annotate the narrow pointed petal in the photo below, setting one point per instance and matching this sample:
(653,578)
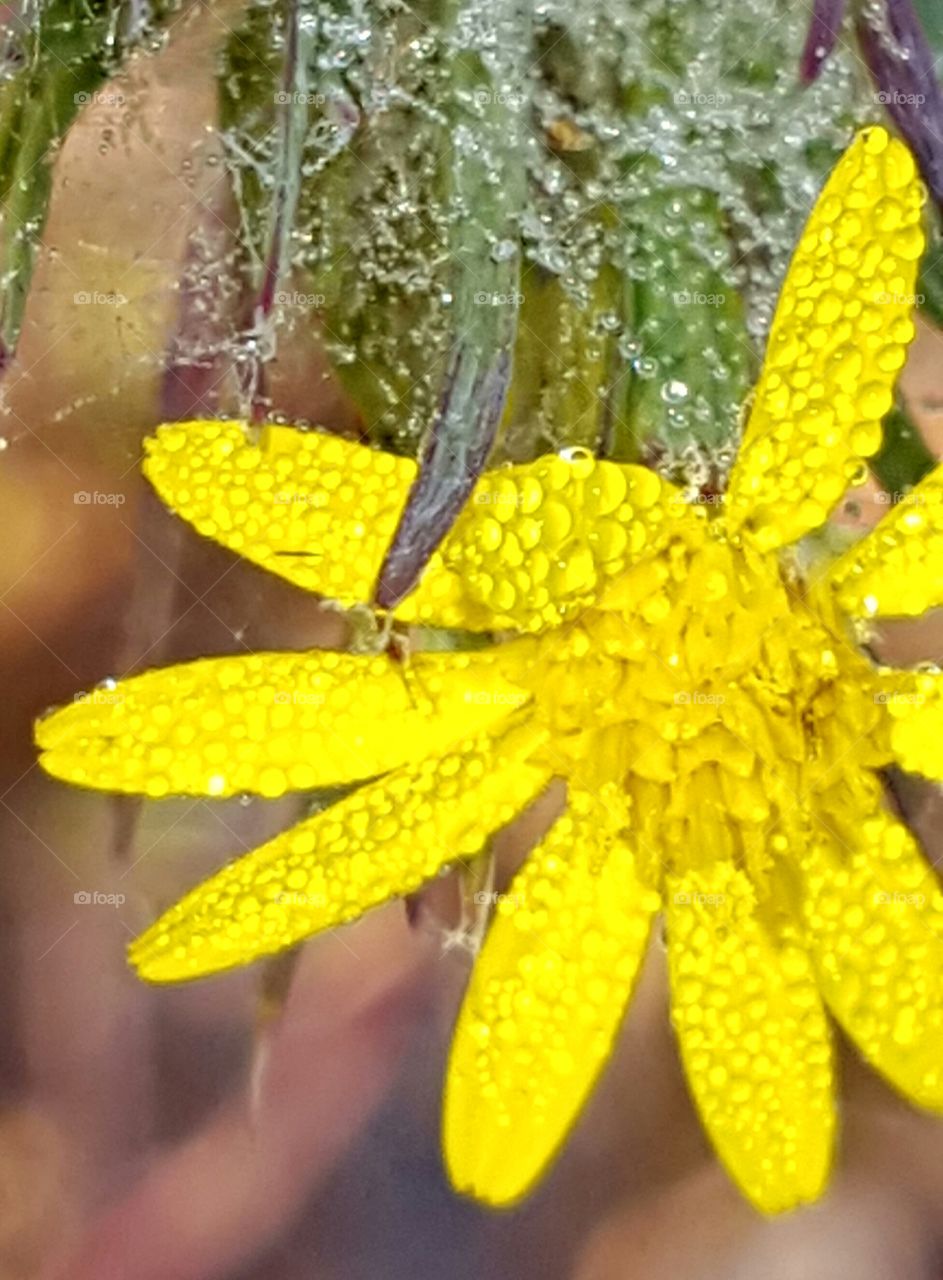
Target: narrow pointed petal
(309,506)
(544,541)
(382,841)
(536,544)
(545,1002)
(874,921)
(837,344)
(897,569)
(754,1039)
(267,723)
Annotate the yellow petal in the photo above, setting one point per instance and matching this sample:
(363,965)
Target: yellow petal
(754,1039)
(874,919)
(545,1002)
(541,542)
(382,841)
(836,346)
(897,569)
(267,723)
(913,706)
(311,507)
(535,544)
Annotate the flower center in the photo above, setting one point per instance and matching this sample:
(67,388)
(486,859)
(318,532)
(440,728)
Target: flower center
(714,697)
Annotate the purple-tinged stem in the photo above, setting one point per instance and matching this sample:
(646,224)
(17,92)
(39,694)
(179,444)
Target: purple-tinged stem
(901,62)
(293,121)
(823,35)
(449,467)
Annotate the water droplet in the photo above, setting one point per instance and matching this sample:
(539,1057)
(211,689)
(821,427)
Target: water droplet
(675,391)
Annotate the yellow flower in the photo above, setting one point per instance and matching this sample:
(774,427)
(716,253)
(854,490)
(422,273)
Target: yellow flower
(702,691)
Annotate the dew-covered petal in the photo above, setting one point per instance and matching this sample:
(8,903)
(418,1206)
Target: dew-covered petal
(535,544)
(311,507)
(912,702)
(543,541)
(896,570)
(754,1038)
(837,344)
(874,919)
(382,841)
(267,723)
(545,1001)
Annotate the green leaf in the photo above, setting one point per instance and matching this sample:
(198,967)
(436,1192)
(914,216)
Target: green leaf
(903,459)
(485,200)
(693,364)
(930,13)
